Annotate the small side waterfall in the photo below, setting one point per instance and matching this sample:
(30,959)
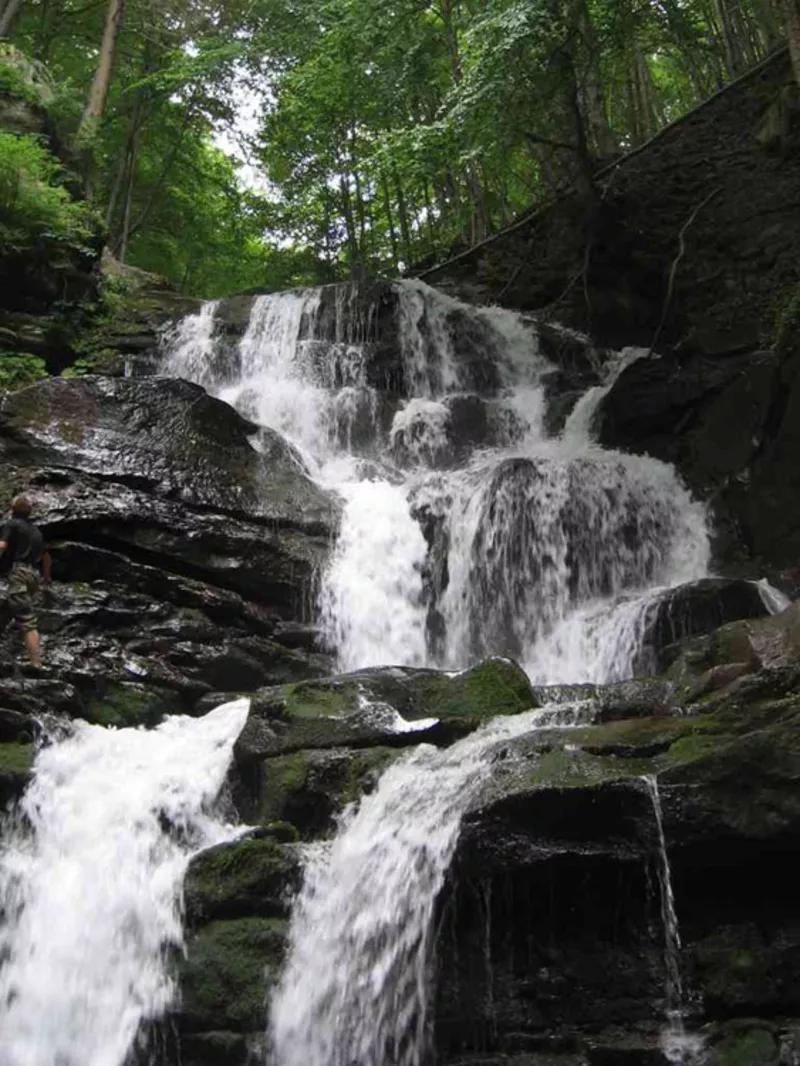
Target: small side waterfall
(680,1048)
(362,923)
(90,884)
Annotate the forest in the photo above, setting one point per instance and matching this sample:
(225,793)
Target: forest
(228,144)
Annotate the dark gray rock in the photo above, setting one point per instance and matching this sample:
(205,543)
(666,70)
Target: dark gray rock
(692,610)
(169,438)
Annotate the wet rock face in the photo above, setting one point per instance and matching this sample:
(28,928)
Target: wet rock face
(550,945)
(183,545)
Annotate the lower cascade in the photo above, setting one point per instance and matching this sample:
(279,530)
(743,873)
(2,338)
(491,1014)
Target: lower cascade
(362,923)
(481,526)
(90,884)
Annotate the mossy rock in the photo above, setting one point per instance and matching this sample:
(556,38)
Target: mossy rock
(130,704)
(747,1047)
(16,763)
(380,706)
(254,876)
(228,969)
(218,1048)
(310,788)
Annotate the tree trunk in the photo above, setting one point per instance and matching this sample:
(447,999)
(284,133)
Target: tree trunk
(8,12)
(387,207)
(159,185)
(790,9)
(730,42)
(98,95)
(128,201)
(402,210)
(592,95)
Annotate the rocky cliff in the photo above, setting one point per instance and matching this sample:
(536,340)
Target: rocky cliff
(689,248)
(187,546)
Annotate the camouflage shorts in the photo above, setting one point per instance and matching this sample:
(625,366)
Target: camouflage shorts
(23,585)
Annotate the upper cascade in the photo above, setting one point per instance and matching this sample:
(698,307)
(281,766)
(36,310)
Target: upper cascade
(470,526)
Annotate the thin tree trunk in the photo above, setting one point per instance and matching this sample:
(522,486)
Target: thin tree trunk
(402,210)
(128,202)
(790,9)
(98,95)
(733,54)
(159,185)
(387,207)
(593,97)
(8,13)
(116,189)
(349,224)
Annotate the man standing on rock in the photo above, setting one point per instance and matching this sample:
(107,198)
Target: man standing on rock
(24,560)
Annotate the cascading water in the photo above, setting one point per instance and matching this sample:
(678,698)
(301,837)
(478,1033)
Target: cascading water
(90,884)
(362,923)
(680,1048)
(467,530)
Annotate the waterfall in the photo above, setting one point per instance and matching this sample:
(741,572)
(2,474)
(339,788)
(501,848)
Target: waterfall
(680,1048)
(191,345)
(362,924)
(90,884)
(467,530)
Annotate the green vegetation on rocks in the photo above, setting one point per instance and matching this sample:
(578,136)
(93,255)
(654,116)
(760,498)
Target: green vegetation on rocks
(228,969)
(233,880)
(16,759)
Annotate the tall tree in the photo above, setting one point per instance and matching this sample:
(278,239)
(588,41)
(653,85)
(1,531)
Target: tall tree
(98,94)
(8,13)
(790,10)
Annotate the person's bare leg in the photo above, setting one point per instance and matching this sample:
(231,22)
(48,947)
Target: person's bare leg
(32,648)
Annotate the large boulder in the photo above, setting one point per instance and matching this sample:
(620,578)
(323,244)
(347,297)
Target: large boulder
(398,706)
(694,609)
(181,541)
(168,438)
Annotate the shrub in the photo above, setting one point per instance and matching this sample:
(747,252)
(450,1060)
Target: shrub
(18,369)
(35,208)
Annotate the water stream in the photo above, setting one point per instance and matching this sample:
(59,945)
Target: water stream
(468,529)
(362,923)
(680,1048)
(91,879)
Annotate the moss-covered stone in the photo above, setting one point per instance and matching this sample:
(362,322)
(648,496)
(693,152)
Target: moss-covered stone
(749,1047)
(309,788)
(229,967)
(219,1048)
(251,876)
(130,704)
(375,706)
(16,759)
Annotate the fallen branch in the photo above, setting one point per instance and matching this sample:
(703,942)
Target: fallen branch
(674,269)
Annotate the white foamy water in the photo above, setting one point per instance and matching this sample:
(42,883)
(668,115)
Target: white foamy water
(190,346)
(90,884)
(469,531)
(355,986)
(680,1048)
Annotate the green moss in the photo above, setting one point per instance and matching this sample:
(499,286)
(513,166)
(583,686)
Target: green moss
(228,969)
(129,704)
(753,1047)
(496,687)
(248,876)
(18,369)
(310,700)
(16,759)
(365,766)
(787,321)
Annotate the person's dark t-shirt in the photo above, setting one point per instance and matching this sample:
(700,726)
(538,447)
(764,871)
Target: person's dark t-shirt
(25,544)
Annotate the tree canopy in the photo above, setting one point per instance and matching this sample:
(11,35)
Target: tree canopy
(374,134)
